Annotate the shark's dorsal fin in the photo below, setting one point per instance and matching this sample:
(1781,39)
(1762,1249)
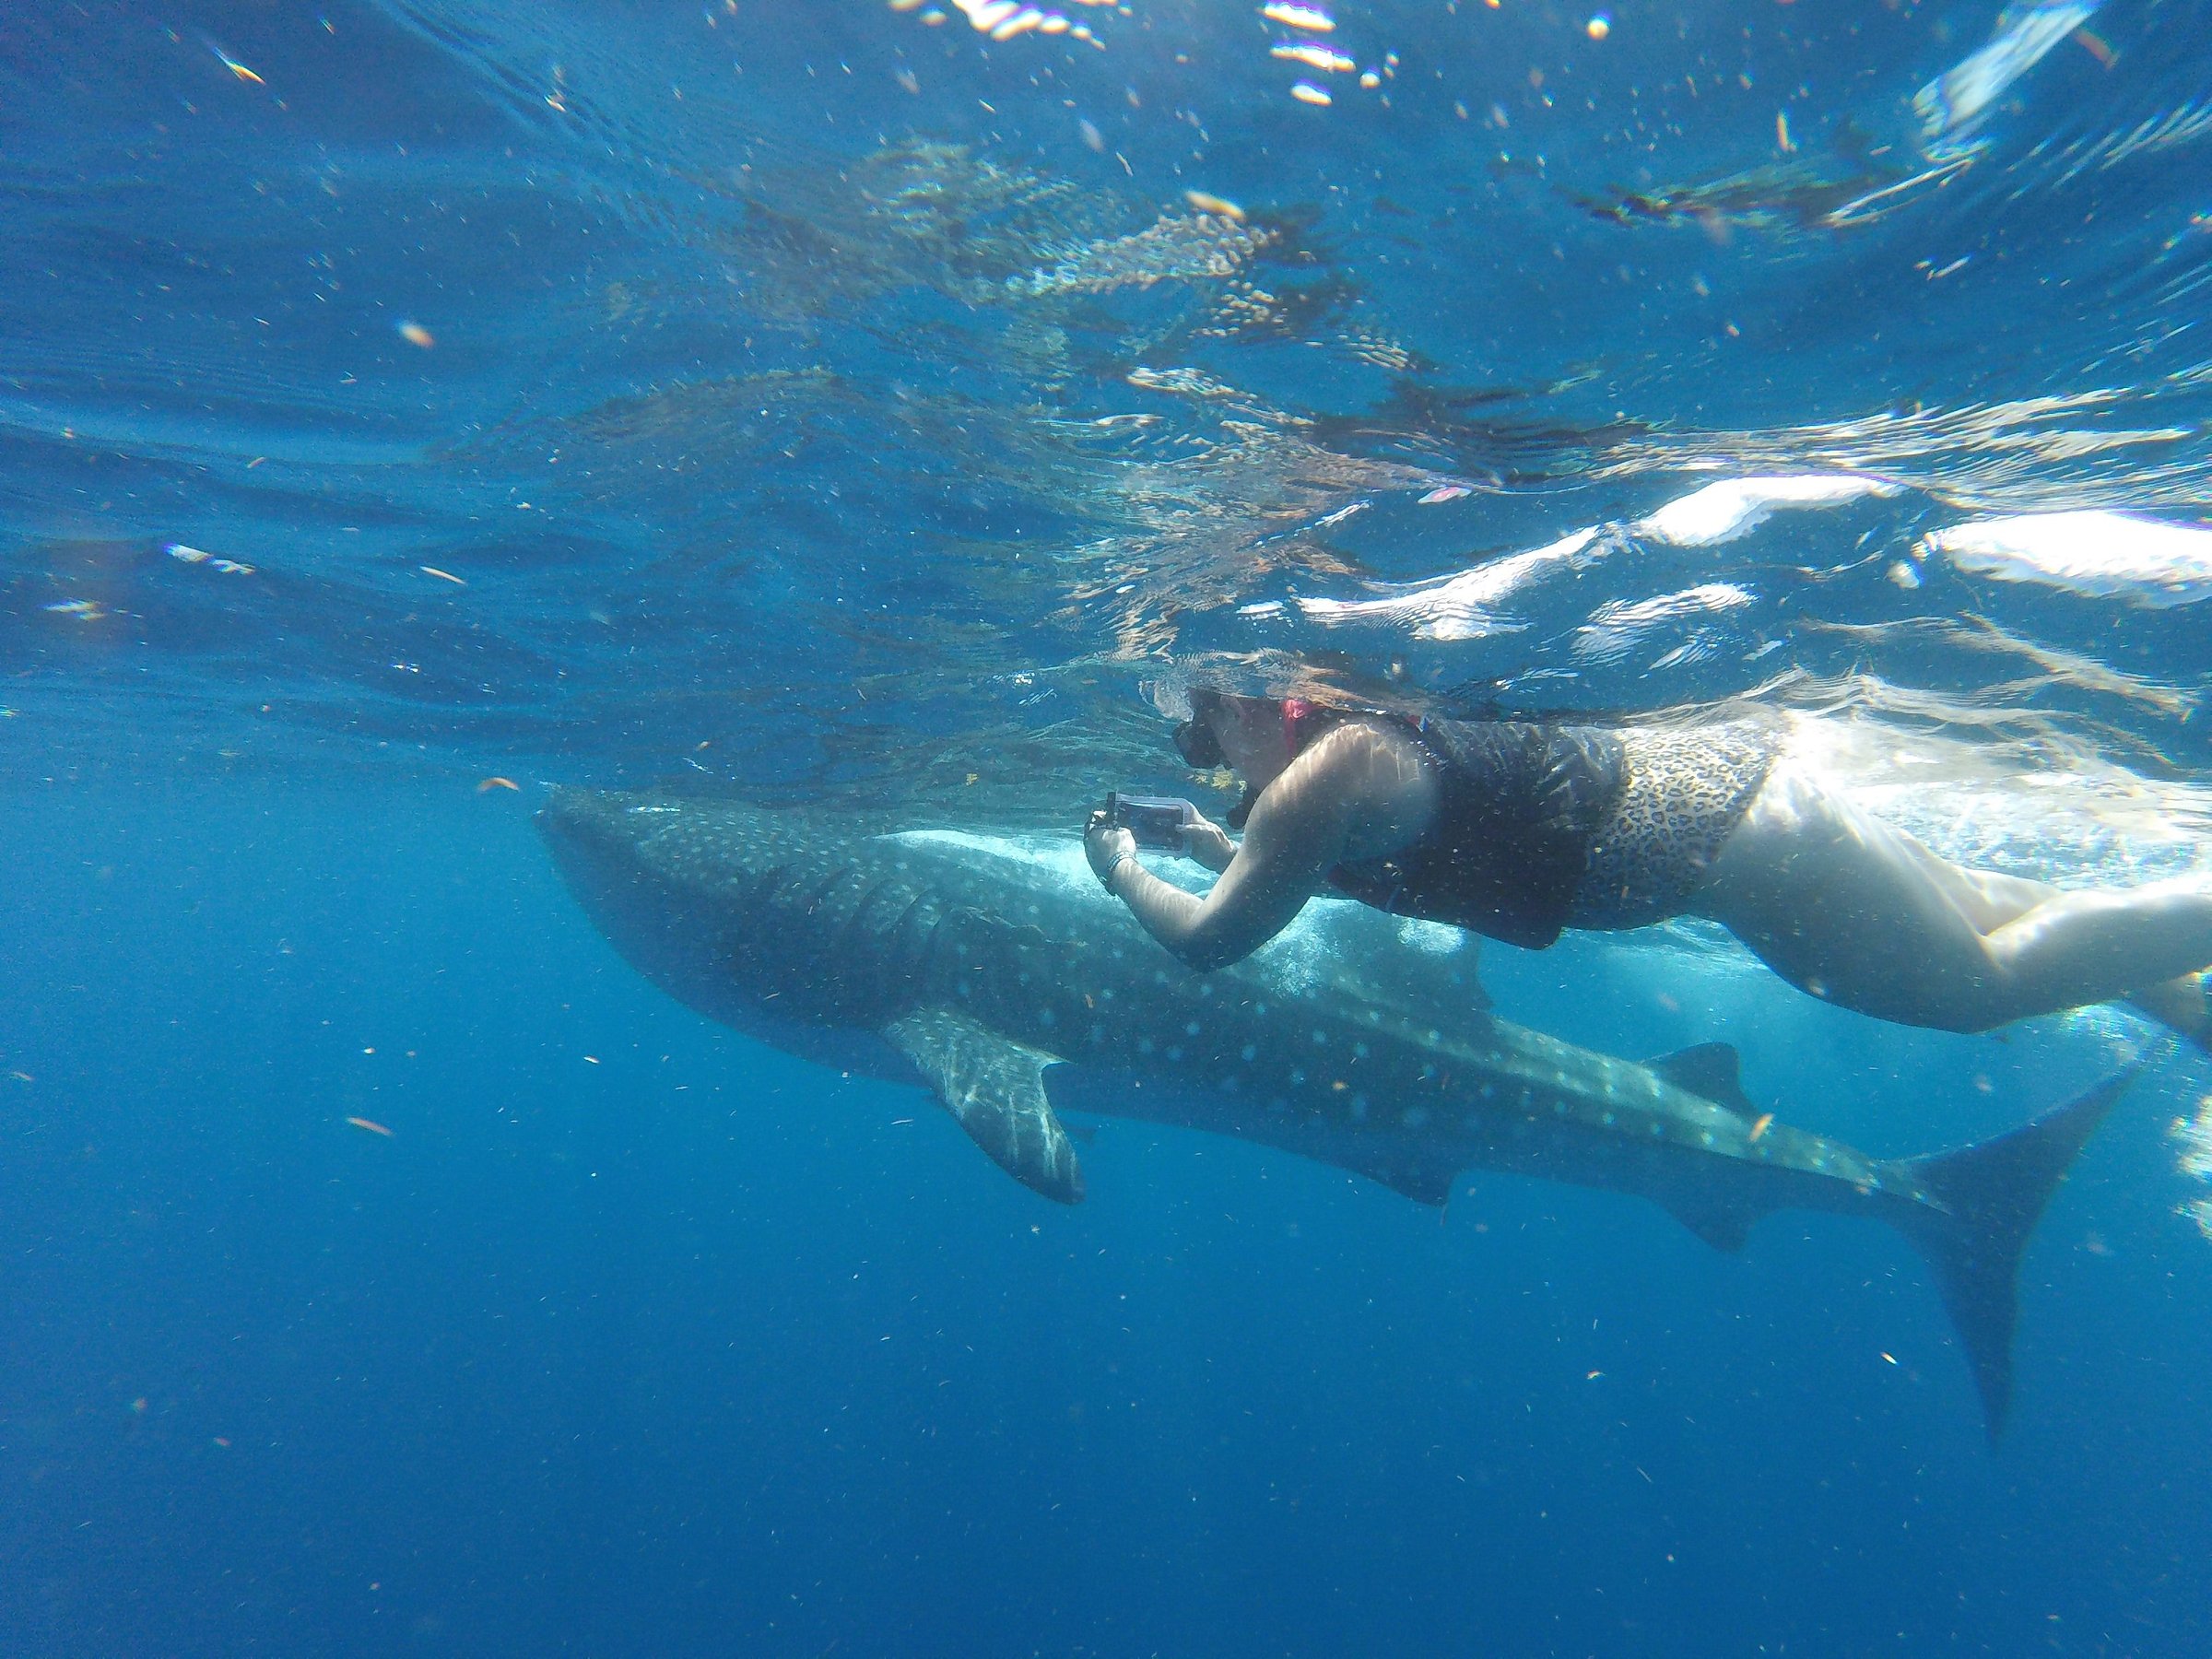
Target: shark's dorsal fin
(1712,1071)
(994,1087)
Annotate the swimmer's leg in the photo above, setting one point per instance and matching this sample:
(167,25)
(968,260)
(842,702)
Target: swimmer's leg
(1987,899)
(1991,900)
(1855,911)
(2088,946)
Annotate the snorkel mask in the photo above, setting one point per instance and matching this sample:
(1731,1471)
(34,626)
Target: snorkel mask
(1195,742)
(1200,747)
(1195,738)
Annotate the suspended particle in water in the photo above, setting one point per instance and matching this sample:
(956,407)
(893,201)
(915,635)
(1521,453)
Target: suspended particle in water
(414,333)
(1599,27)
(1314,56)
(232,65)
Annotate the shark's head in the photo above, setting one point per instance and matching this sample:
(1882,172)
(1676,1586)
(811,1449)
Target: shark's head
(582,826)
(641,867)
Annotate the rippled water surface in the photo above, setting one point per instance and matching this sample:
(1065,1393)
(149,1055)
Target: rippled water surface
(897,407)
(847,388)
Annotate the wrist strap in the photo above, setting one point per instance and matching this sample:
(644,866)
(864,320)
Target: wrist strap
(1106,876)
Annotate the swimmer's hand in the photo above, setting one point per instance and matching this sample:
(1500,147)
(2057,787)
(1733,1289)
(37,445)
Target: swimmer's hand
(1206,843)
(1107,846)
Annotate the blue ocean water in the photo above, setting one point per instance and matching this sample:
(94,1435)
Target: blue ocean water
(892,408)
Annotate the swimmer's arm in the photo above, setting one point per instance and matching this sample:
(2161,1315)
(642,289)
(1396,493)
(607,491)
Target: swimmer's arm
(1292,842)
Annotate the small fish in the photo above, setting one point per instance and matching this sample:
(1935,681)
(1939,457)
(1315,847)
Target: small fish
(1309,17)
(488,784)
(1307,93)
(1445,492)
(441,575)
(414,333)
(1760,1125)
(1220,207)
(371,1126)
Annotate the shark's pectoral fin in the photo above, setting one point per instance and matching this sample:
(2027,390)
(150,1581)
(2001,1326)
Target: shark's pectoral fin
(1424,1181)
(995,1089)
(1726,1227)
(1712,1071)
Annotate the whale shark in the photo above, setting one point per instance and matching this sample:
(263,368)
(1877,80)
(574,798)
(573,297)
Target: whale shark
(996,974)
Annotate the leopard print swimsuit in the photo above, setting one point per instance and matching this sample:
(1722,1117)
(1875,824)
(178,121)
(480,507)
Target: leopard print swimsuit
(1686,788)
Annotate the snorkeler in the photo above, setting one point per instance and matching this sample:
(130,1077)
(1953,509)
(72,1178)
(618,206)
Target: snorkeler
(1519,830)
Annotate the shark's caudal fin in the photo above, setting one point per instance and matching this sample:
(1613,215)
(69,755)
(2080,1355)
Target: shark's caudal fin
(1993,1193)
(995,1088)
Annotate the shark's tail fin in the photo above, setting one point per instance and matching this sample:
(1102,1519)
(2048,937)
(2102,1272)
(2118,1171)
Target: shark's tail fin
(1991,1194)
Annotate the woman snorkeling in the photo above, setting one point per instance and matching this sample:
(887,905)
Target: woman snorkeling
(1519,828)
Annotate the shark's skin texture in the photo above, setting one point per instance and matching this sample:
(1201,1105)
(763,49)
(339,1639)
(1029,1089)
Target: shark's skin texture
(971,965)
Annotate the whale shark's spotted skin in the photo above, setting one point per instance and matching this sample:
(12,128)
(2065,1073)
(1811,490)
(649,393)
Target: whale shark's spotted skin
(977,964)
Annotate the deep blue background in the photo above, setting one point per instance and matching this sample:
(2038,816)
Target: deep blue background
(759,453)
(699,1350)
